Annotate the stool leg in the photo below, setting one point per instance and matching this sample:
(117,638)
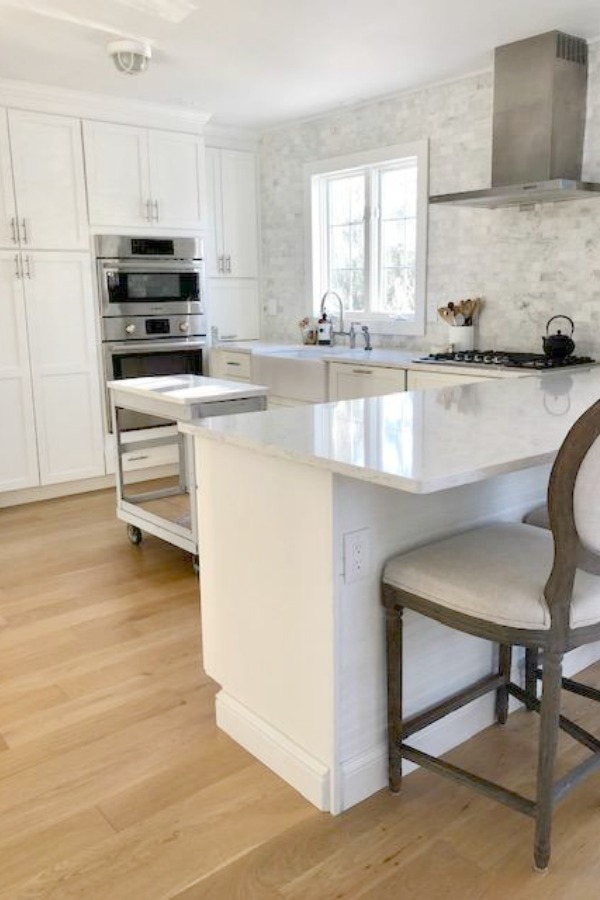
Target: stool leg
(394,689)
(504,662)
(548,740)
(531,664)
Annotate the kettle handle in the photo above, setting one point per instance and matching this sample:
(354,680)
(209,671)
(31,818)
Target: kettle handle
(560,317)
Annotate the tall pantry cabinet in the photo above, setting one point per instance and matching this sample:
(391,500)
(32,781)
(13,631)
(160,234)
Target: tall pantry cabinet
(50,403)
(232,243)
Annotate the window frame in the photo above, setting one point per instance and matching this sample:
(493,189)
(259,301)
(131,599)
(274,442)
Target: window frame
(381,323)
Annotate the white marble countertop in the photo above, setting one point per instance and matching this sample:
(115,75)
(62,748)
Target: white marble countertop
(422,441)
(395,359)
(180,397)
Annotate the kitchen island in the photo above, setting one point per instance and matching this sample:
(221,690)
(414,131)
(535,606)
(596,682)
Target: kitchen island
(298,511)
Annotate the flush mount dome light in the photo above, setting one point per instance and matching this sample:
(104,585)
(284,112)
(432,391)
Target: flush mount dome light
(130,57)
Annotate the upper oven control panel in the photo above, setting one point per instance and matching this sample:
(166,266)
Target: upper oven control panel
(145,328)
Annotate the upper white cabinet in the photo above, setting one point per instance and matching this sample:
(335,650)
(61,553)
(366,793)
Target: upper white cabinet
(142,177)
(232,241)
(42,185)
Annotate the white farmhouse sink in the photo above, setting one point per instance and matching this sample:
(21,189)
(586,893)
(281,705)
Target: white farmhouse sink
(296,374)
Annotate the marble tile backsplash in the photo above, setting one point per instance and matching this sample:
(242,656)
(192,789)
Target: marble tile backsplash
(527,265)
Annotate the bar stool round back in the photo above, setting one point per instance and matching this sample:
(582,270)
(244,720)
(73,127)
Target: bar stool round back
(524,586)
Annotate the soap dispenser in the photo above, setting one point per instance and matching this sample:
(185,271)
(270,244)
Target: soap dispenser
(324,330)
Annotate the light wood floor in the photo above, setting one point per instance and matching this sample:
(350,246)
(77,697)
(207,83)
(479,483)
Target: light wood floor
(115,783)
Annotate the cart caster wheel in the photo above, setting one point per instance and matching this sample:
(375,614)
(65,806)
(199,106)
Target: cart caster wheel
(134,534)
(196,564)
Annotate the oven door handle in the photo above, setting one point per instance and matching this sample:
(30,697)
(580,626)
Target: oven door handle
(144,265)
(154,346)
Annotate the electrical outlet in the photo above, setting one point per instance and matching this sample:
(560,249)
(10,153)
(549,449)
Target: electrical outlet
(357,555)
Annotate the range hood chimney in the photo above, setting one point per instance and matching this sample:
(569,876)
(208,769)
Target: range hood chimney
(540,88)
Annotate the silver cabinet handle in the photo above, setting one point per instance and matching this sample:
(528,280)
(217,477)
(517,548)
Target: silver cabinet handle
(24,229)
(148,205)
(229,337)
(220,264)
(28,266)
(232,363)
(363,371)
(13,230)
(17,269)
(228,265)
(155,205)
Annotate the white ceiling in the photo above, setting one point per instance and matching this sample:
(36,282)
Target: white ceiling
(259,62)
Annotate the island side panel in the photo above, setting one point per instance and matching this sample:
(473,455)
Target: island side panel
(438,660)
(265,529)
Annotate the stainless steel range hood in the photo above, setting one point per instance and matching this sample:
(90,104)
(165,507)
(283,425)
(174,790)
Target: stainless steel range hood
(540,88)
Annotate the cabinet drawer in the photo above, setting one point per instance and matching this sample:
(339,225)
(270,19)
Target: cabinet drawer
(234,365)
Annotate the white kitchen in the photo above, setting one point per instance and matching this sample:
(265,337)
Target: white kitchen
(299,332)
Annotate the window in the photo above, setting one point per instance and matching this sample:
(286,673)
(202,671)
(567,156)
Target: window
(368,235)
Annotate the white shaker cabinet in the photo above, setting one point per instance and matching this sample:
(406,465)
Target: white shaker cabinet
(350,381)
(233,308)
(232,241)
(49,372)
(64,365)
(18,447)
(139,177)
(42,183)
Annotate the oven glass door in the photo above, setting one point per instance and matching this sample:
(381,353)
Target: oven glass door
(139,363)
(142,286)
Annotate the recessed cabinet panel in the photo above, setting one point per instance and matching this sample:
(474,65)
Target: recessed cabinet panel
(176,179)
(214,205)
(8,211)
(233,306)
(65,366)
(49,181)
(18,449)
(117,174)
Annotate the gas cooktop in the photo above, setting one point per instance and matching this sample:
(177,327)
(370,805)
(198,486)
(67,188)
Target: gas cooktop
(506,358)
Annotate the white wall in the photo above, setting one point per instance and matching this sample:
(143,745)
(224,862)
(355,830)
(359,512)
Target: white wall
(527,265)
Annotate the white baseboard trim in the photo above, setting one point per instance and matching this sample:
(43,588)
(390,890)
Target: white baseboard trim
(308,775)
(69,488)
(367,773)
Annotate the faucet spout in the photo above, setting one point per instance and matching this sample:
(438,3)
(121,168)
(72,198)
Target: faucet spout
(335,294)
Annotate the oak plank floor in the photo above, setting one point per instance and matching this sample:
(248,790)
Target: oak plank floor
(115,782)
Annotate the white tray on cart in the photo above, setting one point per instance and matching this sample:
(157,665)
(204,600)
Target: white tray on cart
(170,513)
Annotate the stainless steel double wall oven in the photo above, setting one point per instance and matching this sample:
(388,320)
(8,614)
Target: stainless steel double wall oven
(152,306)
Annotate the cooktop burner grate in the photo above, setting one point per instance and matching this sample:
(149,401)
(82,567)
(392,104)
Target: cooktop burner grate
(507,358)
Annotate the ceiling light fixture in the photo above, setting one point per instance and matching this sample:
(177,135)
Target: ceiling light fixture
(130,57)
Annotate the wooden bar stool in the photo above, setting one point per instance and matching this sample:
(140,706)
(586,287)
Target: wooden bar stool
(523,586)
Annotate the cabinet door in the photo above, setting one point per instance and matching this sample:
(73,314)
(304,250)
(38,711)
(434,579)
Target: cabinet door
(8,210)
(233,308)
(65,365)
(18,448)
(348,382)
(116,158)
(176,179)
(213,248)
(418,381)
(49,180)
(240,231)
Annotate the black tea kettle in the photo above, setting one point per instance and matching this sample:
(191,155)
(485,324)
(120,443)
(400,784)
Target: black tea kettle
(559,345)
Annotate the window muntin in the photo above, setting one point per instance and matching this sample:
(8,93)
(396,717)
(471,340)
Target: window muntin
(369,235)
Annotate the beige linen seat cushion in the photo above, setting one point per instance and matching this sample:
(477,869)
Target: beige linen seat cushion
(496,573)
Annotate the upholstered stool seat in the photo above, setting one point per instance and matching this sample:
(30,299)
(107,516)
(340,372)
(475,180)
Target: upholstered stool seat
(496,573)
(513,584)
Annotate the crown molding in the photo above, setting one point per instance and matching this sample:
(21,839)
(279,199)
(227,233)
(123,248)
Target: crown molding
(103,107)
(230,137)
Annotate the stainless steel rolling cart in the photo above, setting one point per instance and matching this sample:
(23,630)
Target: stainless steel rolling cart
(170,512)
